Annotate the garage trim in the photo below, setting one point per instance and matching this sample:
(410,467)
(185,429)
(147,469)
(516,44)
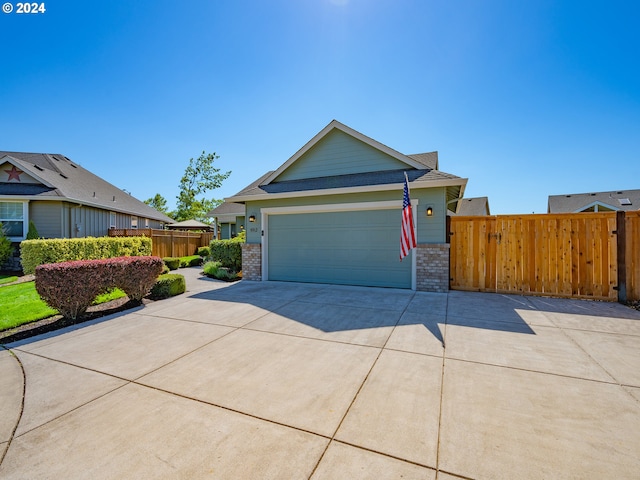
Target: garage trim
(336,207)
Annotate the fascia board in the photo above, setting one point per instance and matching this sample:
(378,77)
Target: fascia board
(349,190)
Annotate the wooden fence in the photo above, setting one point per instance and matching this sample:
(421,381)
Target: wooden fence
(580,255)
(168,243)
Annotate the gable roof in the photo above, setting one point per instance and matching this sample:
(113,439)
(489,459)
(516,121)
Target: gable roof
(58,178)
(335,125)
(475,206)
(422,171)
(627,200)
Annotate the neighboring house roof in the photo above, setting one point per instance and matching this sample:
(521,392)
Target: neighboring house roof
(227,212)
(421,169)
(55,177)
(599,201)
(477,206)
(189,225)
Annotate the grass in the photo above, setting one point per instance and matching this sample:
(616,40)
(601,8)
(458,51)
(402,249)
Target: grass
(21,304)
(7,279)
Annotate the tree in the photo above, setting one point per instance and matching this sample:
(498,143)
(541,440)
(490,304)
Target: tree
(199,177)
(158,202)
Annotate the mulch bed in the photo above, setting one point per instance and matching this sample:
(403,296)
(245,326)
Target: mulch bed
(58,321)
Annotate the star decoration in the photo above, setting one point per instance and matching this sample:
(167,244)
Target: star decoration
(14,173)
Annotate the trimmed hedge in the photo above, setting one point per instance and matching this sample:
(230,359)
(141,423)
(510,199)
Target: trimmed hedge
(168,285)
(40,252)
(190,261)
(228,253)
(71,287)
(203,251)
(172,262)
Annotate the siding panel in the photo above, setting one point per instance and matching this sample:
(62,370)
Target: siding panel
(339,154)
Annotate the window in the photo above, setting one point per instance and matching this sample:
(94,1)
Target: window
(112,219)
(13,216)
(134,221)
(146,223)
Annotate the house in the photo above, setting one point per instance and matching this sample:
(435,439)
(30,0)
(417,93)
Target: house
(475,206)
(230,216)
(332,213)
(64,200)
(626,200)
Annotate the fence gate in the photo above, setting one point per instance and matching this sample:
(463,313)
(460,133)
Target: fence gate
(569,255)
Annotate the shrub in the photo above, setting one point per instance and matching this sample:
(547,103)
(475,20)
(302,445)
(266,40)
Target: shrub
(204,252)
(211,268)
(71,287)
(32,233)
(135,275)
(168,285)
(228,252)
(40,252)
(190,261)
(216,270)
(5,246)
(172,262)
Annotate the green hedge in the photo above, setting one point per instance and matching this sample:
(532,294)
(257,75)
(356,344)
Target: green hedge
(172,262)
(39,252)
(168,285)
(228,253)
(190,261)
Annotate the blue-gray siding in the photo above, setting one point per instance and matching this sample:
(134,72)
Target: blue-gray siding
(339,154)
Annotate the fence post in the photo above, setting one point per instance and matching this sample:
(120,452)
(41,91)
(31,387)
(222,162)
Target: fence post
(621,237)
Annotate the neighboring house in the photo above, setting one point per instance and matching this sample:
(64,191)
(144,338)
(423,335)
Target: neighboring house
(595,202)
(332,214)
(64,200)
(478,206)
(190,225)
(230,216)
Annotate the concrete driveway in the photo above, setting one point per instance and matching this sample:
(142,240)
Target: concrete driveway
(287,381)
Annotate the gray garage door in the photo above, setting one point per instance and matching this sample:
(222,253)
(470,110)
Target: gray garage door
(349,248)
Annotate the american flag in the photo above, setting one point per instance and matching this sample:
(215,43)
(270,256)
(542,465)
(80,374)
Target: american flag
(407,232)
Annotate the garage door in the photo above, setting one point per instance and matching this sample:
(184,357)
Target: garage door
(349,248)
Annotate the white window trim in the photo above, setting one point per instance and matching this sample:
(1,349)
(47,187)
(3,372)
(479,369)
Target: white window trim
(335,207)
(25,218)
(134,222)
(115,220)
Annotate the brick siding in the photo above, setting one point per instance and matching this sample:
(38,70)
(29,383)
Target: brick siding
(252,261)
(432,267)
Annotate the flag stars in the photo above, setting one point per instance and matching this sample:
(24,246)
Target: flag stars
(14,173)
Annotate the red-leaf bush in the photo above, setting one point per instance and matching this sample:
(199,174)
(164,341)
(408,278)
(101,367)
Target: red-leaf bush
(136,275)
(70,287)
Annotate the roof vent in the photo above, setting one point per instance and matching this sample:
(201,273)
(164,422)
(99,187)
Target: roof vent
(38,167)
(624,201)
(73,165)
(63,175)
(114,198)
(592,194)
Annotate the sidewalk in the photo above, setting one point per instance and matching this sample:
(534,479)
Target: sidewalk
(288,380)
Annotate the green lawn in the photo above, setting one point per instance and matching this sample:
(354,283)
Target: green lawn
(22,304)
(7,279)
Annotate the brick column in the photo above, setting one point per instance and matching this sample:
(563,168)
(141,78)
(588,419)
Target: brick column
(252,261)
(432,267)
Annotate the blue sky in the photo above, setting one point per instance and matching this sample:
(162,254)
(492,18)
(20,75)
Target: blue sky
(525,99)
